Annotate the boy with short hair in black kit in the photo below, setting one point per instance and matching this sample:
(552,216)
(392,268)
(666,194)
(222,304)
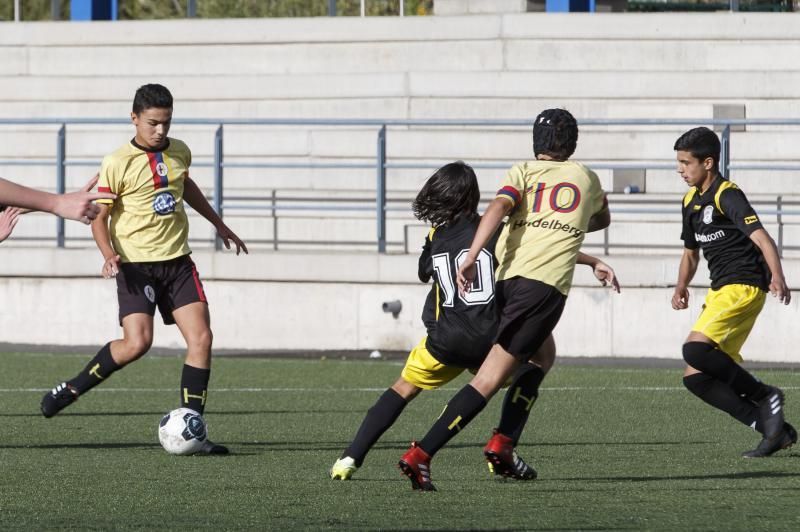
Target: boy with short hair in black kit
(744,265)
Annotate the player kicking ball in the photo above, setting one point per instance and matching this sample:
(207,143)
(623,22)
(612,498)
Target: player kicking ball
(744,265)
(143,237)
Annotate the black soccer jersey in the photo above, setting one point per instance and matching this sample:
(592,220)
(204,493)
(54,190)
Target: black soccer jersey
(720,222)
(460,328)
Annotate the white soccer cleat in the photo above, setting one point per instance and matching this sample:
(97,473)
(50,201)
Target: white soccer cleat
(343,469)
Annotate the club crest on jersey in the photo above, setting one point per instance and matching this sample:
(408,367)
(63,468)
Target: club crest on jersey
(161,169)
(150,294)
(708,214)
(164,203)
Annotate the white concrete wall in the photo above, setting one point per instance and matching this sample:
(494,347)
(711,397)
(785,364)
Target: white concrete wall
(319,301)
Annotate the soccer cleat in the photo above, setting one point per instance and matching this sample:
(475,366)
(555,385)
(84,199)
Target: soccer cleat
(210,447)
(769,446)
(770,409)
(343,469)
(58,399)
(416,465)
(504,460)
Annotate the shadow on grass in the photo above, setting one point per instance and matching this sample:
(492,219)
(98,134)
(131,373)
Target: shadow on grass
(744,475)
(162,412)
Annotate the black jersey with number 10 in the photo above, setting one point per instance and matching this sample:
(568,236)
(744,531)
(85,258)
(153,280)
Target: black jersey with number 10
(460,328)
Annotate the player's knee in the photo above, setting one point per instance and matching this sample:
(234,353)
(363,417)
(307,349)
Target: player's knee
(696,354)
(202,340)
(134,348)
(698,383)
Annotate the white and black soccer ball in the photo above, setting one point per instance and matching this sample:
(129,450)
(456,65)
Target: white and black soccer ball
(182,431)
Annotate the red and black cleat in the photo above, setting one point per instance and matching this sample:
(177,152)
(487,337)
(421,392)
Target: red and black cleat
(503,459)
(416,465)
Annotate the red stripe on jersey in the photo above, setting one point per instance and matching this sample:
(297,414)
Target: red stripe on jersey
(104,189)
(151,157)
(511,192)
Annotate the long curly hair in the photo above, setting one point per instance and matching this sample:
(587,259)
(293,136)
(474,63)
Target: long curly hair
(555,133)
(449,194)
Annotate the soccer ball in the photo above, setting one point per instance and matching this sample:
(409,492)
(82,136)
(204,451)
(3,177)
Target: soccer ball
(182,431)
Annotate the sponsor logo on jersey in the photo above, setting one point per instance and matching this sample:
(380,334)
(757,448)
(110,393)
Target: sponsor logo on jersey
(750,219)
(553,225)
(711,237)
(697,207)
(708,214)
(164,203)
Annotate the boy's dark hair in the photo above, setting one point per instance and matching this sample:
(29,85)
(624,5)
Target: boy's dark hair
(555,133)
(449,194)
(151,95)
(701,142)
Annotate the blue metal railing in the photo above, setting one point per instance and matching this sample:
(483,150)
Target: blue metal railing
(381,163)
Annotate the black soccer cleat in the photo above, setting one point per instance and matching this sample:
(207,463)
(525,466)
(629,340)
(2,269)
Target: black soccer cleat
(503,459)
(58,399)
(770,409)
(210,447)
(769,446)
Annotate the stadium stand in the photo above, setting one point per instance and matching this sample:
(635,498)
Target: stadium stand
(493,67)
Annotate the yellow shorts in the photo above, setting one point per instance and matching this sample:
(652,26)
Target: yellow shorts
(729,315)
(424,371)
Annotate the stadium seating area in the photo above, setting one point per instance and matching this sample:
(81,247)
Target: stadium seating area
(493,67)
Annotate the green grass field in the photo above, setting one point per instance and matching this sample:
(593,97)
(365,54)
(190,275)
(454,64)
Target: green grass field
(616,449)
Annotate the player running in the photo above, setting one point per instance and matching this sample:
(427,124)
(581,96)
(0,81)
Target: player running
(460,327)
(744,265)
(551,203)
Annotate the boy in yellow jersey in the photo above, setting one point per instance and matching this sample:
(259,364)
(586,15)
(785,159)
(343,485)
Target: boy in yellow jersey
(744,265)
(145,247)
(551,203)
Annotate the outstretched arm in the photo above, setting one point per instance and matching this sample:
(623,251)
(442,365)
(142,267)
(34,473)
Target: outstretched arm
(197,200)
(74,206)
(492,218)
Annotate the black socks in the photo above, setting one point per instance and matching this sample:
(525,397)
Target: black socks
(519,400)
(194,388)
(461,409)
(96,371)
(379,418)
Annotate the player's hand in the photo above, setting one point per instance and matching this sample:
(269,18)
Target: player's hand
(78,205)
(8,219)
(778,288)
(680,298)
(227,236)
(111,267)
(605,274)
(466,275)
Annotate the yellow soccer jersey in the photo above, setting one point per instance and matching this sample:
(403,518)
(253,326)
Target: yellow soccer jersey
(553,202)
(148,220)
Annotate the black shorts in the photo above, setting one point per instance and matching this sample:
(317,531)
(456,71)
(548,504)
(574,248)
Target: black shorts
(529,311)
(171,284)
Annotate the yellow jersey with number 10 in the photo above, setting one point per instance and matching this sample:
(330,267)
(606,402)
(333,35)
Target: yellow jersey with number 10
(148,220)
(553,201)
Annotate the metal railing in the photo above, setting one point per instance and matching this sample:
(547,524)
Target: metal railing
(382,163)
